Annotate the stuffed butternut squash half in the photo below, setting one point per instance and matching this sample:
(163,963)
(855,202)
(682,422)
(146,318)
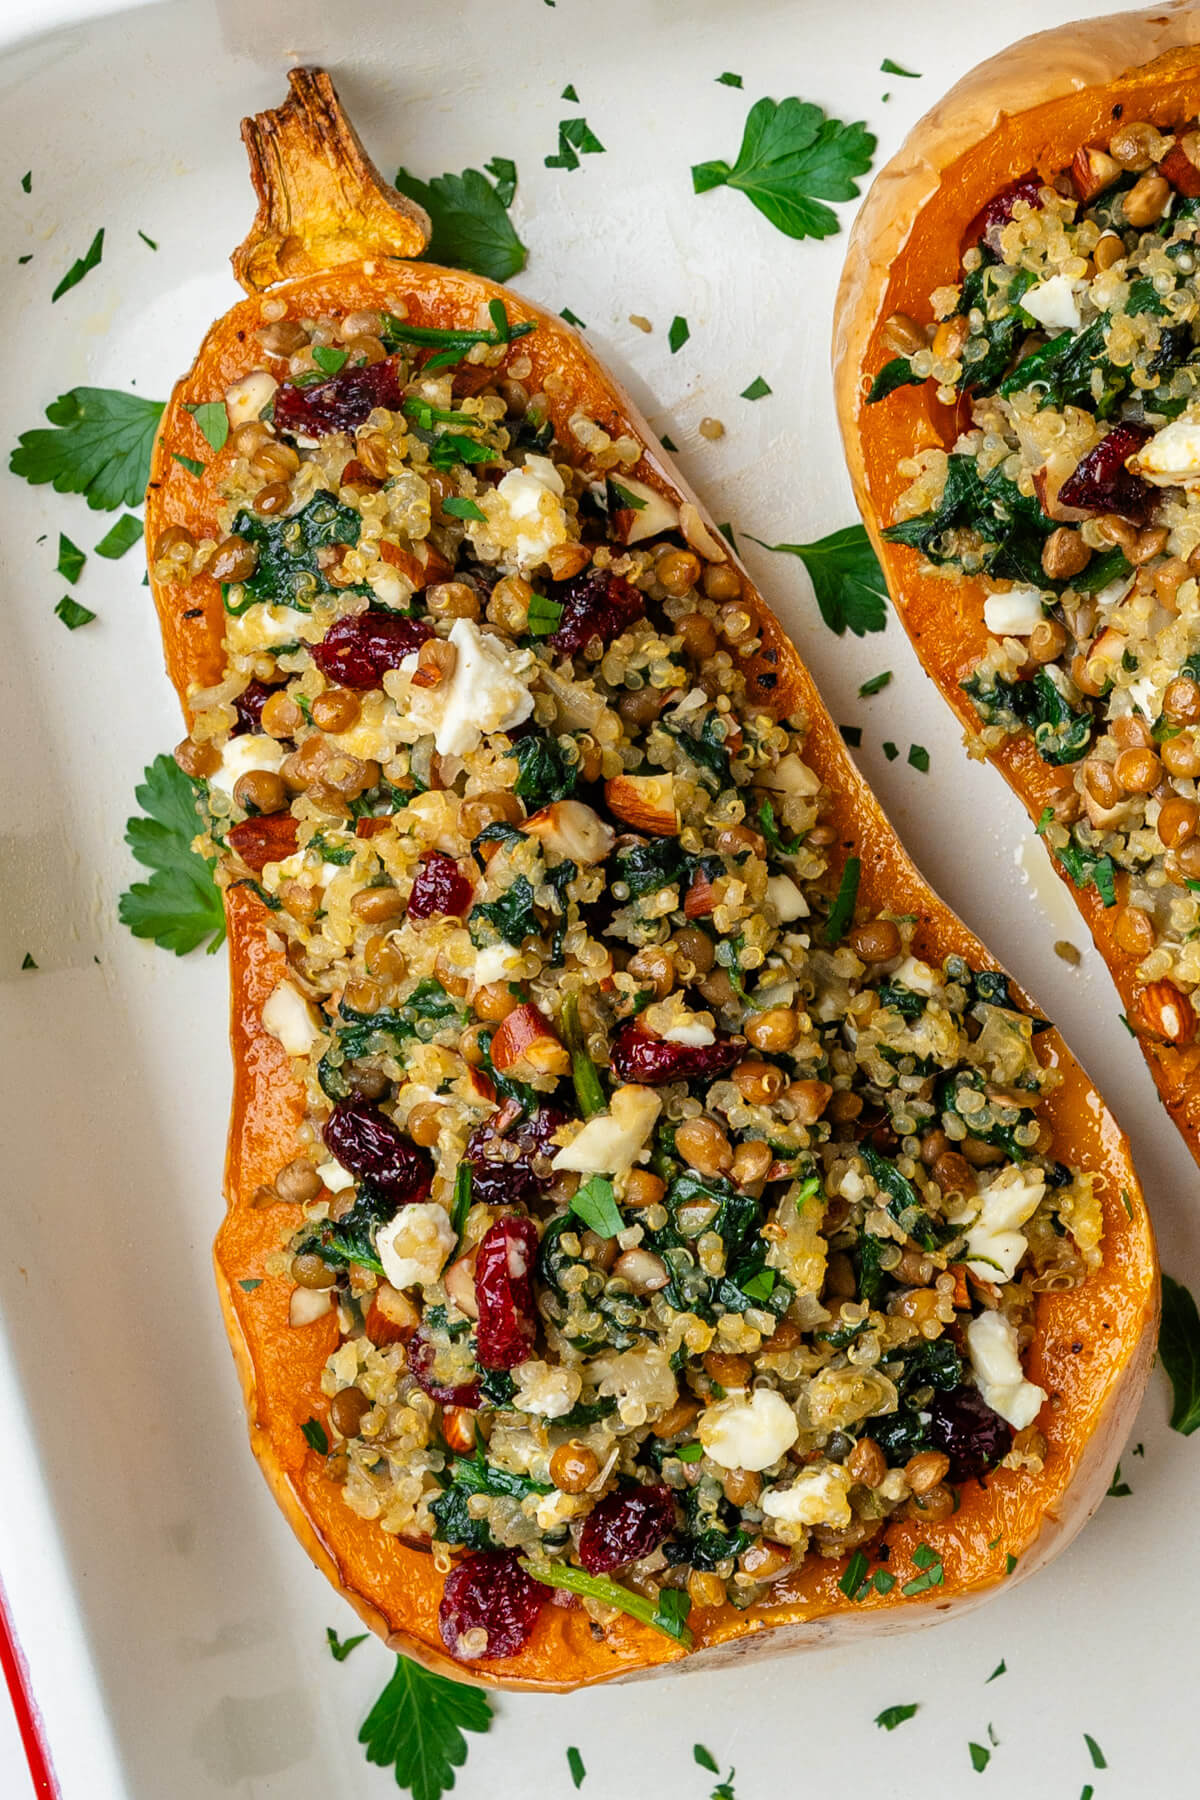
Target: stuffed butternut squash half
(1017,355)
(655,1226)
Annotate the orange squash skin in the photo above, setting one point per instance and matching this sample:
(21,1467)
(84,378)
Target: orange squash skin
(1094,1344)
(906,242)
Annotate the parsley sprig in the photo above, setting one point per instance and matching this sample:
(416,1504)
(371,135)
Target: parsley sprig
(180,906)
(416,1728)
(846,577)
(471,227)
(100,447)
(793,159)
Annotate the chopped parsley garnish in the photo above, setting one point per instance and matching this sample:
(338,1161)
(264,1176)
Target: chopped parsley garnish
(679,333)
(416,1728)
(706,1759)
(847,580)
(981,1756)
(842,910)
(851,735)
(918,758)
(573,319)
(72,614)
(100,447)
(574,1760)
(1001,1668)
(575,139)
(876,685)
(888,67)
(328,360)
(1179,1354)
(122,537)
(792,160)
(471,226)
(729,79)
(27,961)
(593,1202)
(569,93)
(1010,1563)
(932,1573)
(180,906)
(70,559)
(213,419)
(1099,1760)
(1117,1489)
(189,463)
(147,240)
(315,1436)
(458,507)
(891,1716)
(545,615)
(1086,869)
(340,1648)
(27,180)
(248,1286)
(83,265)
(758,389)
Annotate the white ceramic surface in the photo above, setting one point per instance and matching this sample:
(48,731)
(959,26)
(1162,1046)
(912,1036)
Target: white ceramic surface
(174,1631)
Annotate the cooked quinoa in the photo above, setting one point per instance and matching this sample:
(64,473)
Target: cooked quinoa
(678,1226)
(1073,494)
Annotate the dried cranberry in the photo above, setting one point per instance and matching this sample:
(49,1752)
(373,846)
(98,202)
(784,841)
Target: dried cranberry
(504,1267)
(1101,483)
(421,1356)
(625,1527)
(359,650)
(439,887)
(963,1426)
(338,404)
(249,705)
(365,1141)
(490,1591)
(595,604)
(636,1056)
(990,221)
(499,1182)
(267,839)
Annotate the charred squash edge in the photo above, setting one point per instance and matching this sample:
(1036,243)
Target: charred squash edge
(1071,83)
(1094,1344)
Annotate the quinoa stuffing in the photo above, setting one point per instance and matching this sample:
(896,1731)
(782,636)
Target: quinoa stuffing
(677,1226)
(1073,494)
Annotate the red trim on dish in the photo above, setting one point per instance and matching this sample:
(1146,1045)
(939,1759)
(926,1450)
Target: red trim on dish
(29,1720)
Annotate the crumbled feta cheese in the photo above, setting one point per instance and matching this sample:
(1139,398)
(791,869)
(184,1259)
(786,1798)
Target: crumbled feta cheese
(290,1018)
(914,974)
(792,775)
(265,627)
(1013,614)
(992,1347)
(413,1248)
(241,756)
(1171,458)
(548,1389)
(611,1141)
(556,1509)
(525,513)
(995,1243)
(693,1032)
(786,898)
(335,1178)
(1053,303)
(495,963)
(748,1430)
(486,692)
(246,399)
(816,1497)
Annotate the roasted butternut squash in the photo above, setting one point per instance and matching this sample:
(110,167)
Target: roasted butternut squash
(330,240)
(1041,120)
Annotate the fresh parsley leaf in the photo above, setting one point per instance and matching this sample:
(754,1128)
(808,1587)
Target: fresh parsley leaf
(340,1648)
(328,360)
(574,1760)
(459,507)
(679,333)
(72,614)
(729,79)
(573,319)
(593,1202)
(1010,1563)
(248,1286)
(1179,1353)
(1001,1668)
(758,389)
(503,171)
(842,910)
(876,685)
(180,906)
(213,420)
(706,1759)
(316,1436)
(671,1615)
(575,139)
(888,67)
(918,758)
(189,463)
(791,161)
(27,961)
(471,227)
(932,1573)
(147,240)
(70,559)
(83,265)
(100,447)
(891,1716)
(1095,1752)
(545,615)
(847,580)
(569,93)
(122,537)
(981,1756)
(890,750)
(416,1728)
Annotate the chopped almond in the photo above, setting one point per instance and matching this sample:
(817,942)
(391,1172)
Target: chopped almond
(646,802)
